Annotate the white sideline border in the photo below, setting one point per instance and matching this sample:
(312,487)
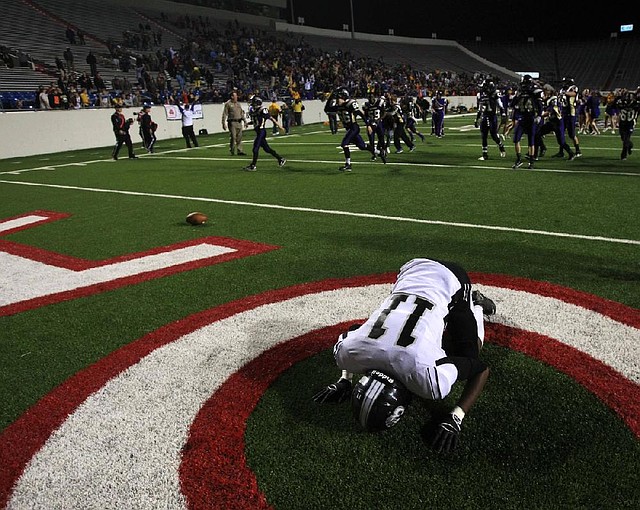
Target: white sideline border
(331,212)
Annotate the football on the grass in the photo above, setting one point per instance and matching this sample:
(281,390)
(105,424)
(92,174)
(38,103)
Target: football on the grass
(196,218)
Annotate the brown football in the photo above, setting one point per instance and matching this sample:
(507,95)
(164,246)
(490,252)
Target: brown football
(196,218)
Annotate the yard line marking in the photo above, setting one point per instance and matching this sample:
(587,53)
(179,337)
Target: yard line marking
(335,212)
(391,164)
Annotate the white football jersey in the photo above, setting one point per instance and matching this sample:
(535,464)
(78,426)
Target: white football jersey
(403,337)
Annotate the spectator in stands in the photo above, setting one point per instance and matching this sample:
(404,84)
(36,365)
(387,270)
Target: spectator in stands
(43,99)
(93,63)
(233,118)
(196,77)
(74,99)
(85,100)
(68,58)
(98,82)
(70,35)
(104,98)
(60,67)
(81,37)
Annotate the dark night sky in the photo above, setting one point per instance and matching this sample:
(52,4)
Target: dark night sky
(464,19)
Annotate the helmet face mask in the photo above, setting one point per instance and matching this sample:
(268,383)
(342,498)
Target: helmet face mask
(256,101)
(342,94)
(379,401)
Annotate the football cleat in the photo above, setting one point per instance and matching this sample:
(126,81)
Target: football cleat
(517,164)
(345,168)
(488,306)
(250,168)
(281,162)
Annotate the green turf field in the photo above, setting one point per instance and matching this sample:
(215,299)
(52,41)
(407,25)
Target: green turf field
(571,223)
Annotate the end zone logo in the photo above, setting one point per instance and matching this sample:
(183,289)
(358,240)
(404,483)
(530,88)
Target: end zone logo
(38,277)
(140,421)
(134,430)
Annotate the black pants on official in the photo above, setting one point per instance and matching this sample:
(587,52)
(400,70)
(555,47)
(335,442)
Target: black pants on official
(120,141)
(189,136)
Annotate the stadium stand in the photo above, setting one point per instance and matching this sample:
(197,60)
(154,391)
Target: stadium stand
(124,36)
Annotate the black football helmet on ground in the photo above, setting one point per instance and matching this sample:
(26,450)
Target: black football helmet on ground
(379,401)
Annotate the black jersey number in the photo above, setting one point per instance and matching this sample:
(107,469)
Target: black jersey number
(405,338)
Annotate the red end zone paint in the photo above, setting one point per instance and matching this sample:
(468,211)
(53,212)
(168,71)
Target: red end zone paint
(21,440)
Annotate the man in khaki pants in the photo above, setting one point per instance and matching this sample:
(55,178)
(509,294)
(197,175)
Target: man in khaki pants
(233,118)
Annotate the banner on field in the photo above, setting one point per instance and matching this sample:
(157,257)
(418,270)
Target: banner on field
(173,111)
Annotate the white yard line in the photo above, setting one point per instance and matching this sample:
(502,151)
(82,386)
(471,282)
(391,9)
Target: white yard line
(332,212)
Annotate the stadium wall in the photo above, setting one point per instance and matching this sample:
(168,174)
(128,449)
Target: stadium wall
(33,132)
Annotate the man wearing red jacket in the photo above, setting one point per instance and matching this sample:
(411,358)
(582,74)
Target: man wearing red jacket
(121,130)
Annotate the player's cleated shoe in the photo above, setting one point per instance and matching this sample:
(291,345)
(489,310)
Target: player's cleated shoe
(373,157)
(488,306)
(399,151)
(383,157)
(530,165)
(572,156)
(345,168)
(484,157)
(250,168)
(578,154)
(517,164)
(413,147)
(281,162)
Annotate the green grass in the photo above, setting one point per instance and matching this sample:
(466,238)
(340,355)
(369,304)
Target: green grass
(521,449)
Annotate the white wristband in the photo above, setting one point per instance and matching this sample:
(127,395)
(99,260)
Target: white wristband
(458,412)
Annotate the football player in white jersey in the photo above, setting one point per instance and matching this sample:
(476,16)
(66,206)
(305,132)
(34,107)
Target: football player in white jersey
(425,336)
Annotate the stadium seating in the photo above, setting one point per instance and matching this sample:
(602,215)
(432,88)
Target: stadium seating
(37,28)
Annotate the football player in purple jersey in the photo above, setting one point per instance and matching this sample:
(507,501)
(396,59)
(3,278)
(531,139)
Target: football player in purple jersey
(259,117)
(527,112)
(568,102)
(489,106)
(439,105)
(374,110)
(348,111)
(552,123)
(628,104)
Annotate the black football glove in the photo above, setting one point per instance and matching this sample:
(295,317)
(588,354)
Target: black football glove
(446,436)
(334,393)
